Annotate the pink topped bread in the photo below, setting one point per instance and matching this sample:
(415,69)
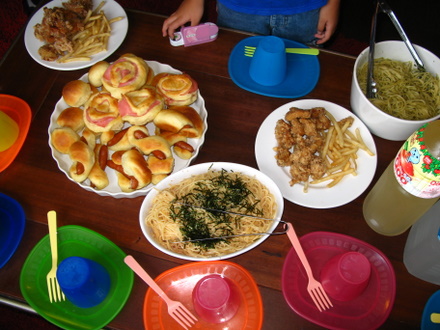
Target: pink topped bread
(141,106)
(177,89)
(101,113)
(126,74)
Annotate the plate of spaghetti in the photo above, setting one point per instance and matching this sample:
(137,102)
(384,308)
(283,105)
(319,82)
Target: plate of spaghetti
(211,211)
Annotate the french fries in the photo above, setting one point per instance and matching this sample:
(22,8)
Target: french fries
(340,151)
(93,39)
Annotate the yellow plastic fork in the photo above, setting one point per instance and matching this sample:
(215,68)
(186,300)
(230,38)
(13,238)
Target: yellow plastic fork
(315,289)
(53,288)
(249,51)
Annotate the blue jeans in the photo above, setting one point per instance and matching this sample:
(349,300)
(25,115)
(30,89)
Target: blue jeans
(298,27)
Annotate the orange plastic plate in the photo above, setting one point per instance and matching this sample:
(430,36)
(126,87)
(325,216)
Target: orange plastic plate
(19,111)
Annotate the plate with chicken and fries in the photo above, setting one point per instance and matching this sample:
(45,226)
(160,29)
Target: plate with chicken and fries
(77,35)
(318,153)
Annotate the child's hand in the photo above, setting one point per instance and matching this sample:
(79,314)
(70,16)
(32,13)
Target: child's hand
(189,11)
(328,20)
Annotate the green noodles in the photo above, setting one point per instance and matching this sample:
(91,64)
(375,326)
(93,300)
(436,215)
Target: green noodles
(403,90)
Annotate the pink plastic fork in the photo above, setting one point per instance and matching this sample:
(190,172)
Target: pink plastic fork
(314,288)
(176,310)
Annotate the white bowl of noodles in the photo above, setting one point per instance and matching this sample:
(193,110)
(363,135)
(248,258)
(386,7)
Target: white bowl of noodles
(175,211)
(405,104)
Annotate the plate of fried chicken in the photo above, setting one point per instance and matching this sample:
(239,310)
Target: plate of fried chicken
(50,32)
(290,148)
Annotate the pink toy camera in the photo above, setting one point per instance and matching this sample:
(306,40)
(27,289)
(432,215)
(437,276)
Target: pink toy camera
(195,35)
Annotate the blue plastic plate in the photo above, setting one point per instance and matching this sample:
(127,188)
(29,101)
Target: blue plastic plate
(301,78)
(432,306)
(12,223)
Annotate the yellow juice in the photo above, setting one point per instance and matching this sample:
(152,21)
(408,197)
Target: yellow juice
(393,206)
(8,131)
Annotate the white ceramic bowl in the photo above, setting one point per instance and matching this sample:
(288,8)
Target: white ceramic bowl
(199,169)
(377,121)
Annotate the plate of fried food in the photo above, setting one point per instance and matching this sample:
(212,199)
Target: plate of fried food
(75,34)
(124,126)
(319,153)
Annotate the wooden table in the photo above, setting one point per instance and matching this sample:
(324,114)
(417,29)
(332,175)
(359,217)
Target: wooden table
(235,115)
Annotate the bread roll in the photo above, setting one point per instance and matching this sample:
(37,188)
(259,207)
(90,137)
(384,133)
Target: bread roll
(153,143)
(182,152)
(89,137)
(172,137)
(179,143)
(62,138)
(106,136)
(160,166)
(197,125)
(71,117)
(127,74)
(134,164)
(97,176)
(101,113)
(83,159)
(96,73)
(157,178)
(171,120)
(177,89)
(141,106)
(125,183)
(120,141)
(76,93)
(158,77)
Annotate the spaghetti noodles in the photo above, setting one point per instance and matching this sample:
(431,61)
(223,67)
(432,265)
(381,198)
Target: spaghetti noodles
(403,90)
(177,215)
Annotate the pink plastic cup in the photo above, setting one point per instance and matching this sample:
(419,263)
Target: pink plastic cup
(346,276)
(215,299)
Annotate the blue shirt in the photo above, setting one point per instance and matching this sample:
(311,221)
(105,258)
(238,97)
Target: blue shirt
(273,7)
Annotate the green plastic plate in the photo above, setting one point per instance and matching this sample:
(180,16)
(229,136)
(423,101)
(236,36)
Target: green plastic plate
(82,242)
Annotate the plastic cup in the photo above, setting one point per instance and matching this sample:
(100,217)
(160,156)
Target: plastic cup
(215,299)
(85,282)
(268,65)
(345,276)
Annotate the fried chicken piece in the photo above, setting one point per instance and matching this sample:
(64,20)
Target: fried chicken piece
(297,127)
(283,134)
(297,113)
(301,155)
(315,143)
(80,7)
(317,167)
(306,141)
(282,156)
(350,121)
(299,173)
(309,127)
(48,52)
(58,23)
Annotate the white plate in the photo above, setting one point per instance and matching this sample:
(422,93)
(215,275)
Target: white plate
(200,169)
(113,189)
(318,196)
(119,30)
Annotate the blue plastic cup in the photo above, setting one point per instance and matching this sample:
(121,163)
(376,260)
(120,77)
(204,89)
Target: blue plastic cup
(84,282)
(268,65)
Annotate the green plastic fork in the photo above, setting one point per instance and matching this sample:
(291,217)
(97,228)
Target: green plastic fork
(249,51)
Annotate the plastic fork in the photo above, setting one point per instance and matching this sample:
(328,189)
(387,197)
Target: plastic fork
(176,309)
(314,288)
(53,288)
(249,51)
